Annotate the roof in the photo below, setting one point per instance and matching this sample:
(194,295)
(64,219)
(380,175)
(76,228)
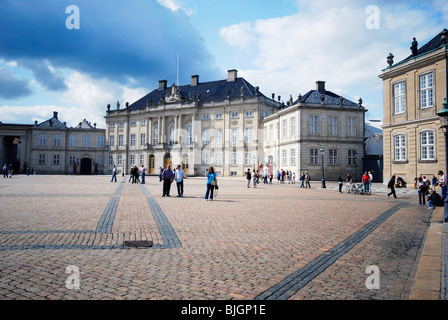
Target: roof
(433,44)
(330,98)
(205,91)
(373,127)
(84,125)
(52,123)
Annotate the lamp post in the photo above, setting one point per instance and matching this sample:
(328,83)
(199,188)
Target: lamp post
(322,152)
(443,115)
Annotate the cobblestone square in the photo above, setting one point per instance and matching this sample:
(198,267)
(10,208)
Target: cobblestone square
(271,242)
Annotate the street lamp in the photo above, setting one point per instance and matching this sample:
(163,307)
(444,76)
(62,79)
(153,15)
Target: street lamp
(322,152)
(443,115)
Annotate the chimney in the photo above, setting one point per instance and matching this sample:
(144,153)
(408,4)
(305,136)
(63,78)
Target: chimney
(55,114)
(320,86)
(162,84)
(194,80)
(232,75)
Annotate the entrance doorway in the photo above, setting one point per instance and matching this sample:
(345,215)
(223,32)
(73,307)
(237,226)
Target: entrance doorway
(185,163)
(167,161)
(152,161)
(86,166)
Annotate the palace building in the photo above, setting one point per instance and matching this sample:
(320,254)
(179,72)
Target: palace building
(230,125)
(413,91)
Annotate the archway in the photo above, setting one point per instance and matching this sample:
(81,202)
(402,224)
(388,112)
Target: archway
(86,166)
(185,163)
(167,161)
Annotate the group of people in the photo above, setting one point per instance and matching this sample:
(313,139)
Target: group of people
(7,171)
(427,190)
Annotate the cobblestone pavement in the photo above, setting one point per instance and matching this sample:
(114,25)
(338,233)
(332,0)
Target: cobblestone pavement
(273,241)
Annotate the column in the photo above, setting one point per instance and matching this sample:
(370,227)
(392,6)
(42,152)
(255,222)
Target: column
(159,129)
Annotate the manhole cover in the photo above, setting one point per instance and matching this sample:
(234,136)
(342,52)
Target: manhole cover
(138,244)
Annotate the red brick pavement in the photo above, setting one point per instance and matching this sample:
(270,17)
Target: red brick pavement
(235,247)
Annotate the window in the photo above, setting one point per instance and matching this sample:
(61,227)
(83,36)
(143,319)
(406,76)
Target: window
(100,141)
(293,126)
(248,159)
(43,140)
(99,160)
(218,136)
(249,114)
(333,156)
(351,127)
(142,159)
(111,160)
(121,123)
(400,147)
(132,140)
(399,97)
(205,117)
(171,135)
(111,124)
(133,123)
(132,159)
(41,158)
(271,133)
(248,135)
(427,145)
(142,139)
(426,91)
(314,156)
(333,126)
(143,122)
(233,159)
(284,128)
(111,141)
(285,157)
(56,159)
(57,140)
(155,136)
(71,160)
(293,156)
(218,158)
(119,160)
(314,121)
(234,135)
(120,140)
(205,137)
(86,141)
(234,114)
(72,141)
(205,159)
(218,116)
(352,157)
(189,134)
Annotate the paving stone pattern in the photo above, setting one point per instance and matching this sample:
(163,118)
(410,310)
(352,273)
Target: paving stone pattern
(239,246)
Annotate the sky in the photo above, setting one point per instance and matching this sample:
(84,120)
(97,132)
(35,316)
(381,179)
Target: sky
(78,56)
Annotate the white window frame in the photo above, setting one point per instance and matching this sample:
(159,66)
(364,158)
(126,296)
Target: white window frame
(43,140)
(399,97)
(426,83)
(133,140)
(314,125)
(351,127)
(333,157)
(400,147)
(87,141)
(427,145)
(100,141)
(333,126)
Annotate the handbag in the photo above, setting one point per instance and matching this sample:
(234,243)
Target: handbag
(213,183)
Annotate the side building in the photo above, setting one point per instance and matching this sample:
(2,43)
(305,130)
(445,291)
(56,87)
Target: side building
(319,131)
(51,147)
(413,92)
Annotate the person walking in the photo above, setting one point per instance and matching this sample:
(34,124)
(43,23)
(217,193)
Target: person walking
(370,180)
(114,174)
(365,181)
(255,179)
(160,174)
(434,182)
(349,181)
(144,169)
(391,186)
(340,183)
(180,175)
(5,171)
(212,182)
(248,177)
(307,180)
(302,179)
(442,183)
(167,178)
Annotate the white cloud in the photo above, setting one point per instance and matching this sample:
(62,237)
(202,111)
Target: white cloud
(327,41)
(175,5)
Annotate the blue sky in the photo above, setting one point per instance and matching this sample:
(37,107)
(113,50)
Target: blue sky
(122,49)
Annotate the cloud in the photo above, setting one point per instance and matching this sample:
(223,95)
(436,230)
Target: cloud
(117,40)
(329,41)
(12,87)
(44,74)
